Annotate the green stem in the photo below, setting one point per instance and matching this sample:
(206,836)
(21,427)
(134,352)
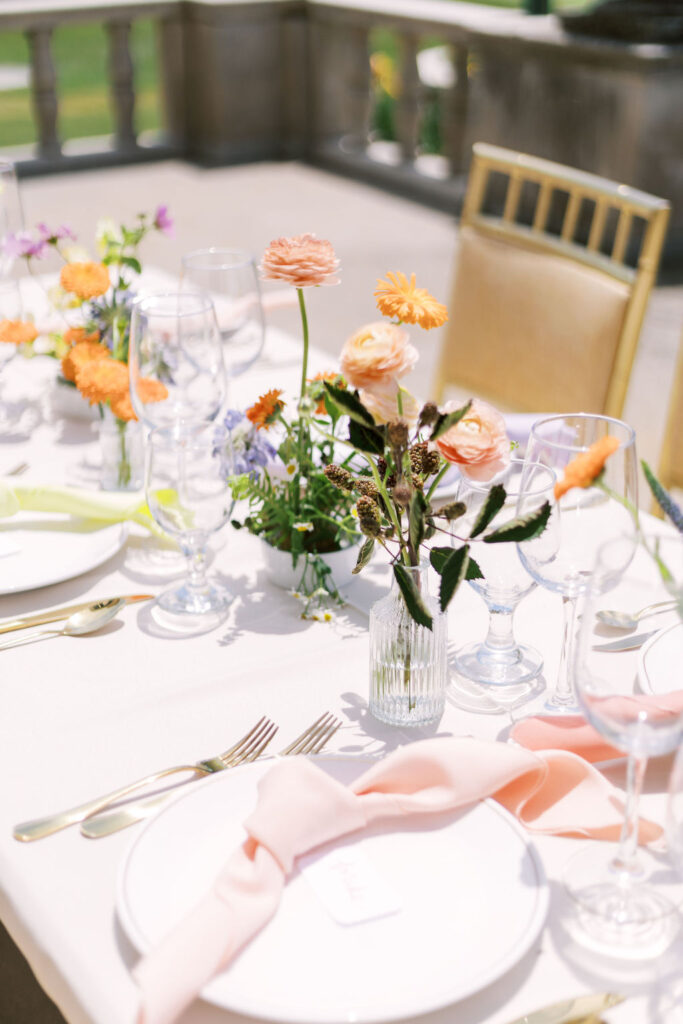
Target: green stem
(437,480)
(303,429)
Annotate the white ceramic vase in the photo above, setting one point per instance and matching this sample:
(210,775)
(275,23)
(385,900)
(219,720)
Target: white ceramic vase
(283,573)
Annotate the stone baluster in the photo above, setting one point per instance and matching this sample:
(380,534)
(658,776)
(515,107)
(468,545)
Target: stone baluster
(409,101)
(454,116)
(358,100)
(44,82)
(122,85)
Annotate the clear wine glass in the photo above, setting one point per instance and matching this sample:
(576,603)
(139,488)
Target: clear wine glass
(188,494)
(626,897)
(499,660)
(230,278)
(562,558)
(174,342)
(11,216)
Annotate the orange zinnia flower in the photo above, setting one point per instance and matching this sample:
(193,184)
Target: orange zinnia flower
(86,280)
(17,332)
(150,390)
(303,261)
(333,377)
(75,335)
(82,352)
(102,380)
(583,470)
(262,413)
(398,297)
(122,407)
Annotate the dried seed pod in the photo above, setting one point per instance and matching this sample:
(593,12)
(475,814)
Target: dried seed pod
(397,432)
(369,518)
(340,477)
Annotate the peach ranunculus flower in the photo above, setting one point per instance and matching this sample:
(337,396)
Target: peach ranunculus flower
(81,353)
(86,280)
(102,380)
(478,443)
(74,335)
(375,354)
(17,332)
(303,261)
(381,401)
(583,470)
(398,297)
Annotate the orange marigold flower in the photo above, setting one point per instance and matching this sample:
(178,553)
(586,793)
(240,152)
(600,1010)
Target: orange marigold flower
(86,280)
(334,378)
(583,470)
(82,352)
(398,297)
(150,390)
(102,380)
(302,261)
(262,413)
(75,335)
(17,332)
(122,407)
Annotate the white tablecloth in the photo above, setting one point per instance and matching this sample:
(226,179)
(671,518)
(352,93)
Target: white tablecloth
(81,716)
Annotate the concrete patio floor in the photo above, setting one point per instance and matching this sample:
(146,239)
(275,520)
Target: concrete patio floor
(372,232)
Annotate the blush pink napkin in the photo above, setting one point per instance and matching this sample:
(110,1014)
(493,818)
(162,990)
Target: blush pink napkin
(300,807)
(573,732)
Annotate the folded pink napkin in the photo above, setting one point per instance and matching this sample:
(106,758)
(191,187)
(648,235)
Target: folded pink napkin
(573,732)
(300,807)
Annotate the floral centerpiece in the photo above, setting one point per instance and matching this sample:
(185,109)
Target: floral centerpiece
(95,299)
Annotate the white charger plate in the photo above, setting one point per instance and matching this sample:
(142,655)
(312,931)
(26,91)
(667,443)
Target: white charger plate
(40,548)
(660,660)
(473,892)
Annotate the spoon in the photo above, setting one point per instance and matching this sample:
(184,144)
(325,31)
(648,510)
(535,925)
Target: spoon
(622,620)
(88,620)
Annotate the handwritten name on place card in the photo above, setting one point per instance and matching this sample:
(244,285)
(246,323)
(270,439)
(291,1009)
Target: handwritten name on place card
(349,886)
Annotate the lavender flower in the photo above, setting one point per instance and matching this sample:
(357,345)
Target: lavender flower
(163,221)
(243,449)
(21,244)
(52,237)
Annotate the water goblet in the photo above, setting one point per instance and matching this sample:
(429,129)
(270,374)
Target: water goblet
(188,495)
(562,558)
(229,276)
(174,342)
(499,660)
(625,899)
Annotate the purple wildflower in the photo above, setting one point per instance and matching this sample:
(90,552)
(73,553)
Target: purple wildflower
(163,221)
(52,237)
(22,245)
(242,448)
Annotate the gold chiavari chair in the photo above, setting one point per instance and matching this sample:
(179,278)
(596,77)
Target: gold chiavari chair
(670,469)
(540,321)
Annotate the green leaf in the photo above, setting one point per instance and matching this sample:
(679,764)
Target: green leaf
(447,420)
(364,555)
(350,404)
(366,439)
(130,261)
(522,527)
(412,596)
(438,556)
(473,570)
(453,573)
(495,500)
(416,518)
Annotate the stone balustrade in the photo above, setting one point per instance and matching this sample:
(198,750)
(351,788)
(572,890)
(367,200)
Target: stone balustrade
(246,80)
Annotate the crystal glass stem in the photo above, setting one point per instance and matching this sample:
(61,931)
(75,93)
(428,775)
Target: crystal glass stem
(194,550)
(500,638)
(564,697)
(625,863)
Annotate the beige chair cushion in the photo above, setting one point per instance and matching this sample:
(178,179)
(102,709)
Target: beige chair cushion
(529,330)
(671,463)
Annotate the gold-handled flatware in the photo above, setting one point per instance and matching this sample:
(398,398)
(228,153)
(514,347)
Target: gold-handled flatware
(247,749)
(79,624)
(59,614)
(17,470)
(311,741)
(581,1010)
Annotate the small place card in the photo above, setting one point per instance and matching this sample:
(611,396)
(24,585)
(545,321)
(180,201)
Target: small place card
(349,885)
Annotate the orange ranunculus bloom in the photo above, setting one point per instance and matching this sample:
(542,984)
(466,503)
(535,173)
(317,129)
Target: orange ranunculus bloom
(81,353)
(262,413)
(102,380)
(75,335)
(86,280)
(582,471)
(398,297)
(333,377)
(17,332)
(375,354)
(302,261)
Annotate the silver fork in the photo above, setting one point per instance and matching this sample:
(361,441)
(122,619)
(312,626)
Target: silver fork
(311,741)
(247,749)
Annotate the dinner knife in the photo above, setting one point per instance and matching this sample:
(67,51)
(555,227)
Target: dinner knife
(626,643)
(581,1010)
(57,614)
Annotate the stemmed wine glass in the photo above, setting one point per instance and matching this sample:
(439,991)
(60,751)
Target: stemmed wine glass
(188,494)
(499,660)
(562,558)
(626,899)
(174,342)
(230,278)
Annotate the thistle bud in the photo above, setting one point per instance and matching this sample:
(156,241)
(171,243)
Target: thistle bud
(382,467)
(453,510)
(340,477)
(401,493)
(397,432)
(428,414)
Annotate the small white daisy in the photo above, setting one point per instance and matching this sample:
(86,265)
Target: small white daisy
(292,468)
(303,527)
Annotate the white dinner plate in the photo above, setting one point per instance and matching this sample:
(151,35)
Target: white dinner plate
(40,548)
(660,660)
(471,887)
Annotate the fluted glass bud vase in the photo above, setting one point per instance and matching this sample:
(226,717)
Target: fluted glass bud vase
(408,663)
(122,446)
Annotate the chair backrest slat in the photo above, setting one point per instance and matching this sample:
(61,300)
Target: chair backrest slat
(598,224)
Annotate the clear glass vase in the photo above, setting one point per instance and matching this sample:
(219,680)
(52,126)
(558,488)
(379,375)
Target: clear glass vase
(122,445)
(408,662)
